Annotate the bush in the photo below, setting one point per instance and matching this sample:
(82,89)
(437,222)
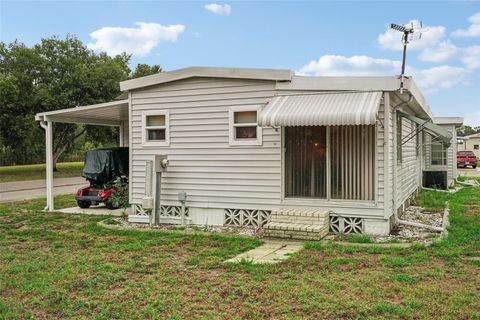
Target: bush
(119,198)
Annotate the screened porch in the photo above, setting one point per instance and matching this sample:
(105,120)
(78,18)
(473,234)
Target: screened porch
(329,143)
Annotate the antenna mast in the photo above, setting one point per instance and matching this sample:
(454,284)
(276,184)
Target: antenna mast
(406,37)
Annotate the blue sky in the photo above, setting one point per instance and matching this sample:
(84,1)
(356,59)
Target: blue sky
(315,38)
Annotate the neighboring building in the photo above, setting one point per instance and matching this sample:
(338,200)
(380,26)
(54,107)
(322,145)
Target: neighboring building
(441,161)
(472,143)
(244,142)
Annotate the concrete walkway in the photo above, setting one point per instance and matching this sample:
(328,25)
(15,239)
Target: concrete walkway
(272,251)
(23,190)
(94,210)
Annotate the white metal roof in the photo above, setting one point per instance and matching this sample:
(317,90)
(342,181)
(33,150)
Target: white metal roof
(357,83)
(325,109)
(213,72)
(457,121)
(109,113)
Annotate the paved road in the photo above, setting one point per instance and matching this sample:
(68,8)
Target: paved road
(469,172)
(22,190)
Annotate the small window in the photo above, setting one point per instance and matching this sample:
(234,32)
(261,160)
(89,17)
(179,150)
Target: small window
(243,126)
(476,147)
(438,153)
(155,128)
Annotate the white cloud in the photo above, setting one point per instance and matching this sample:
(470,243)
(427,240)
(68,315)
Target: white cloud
(137,41)
(441,77)
(219,9)
(472,119)
(392,39)
(443,51)
(333,65)
(471,57)
(473,30)
(430,80)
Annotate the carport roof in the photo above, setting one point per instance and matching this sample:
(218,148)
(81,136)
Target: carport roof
(107,114)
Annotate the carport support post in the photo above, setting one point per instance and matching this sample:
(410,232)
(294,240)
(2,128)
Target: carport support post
(47,125)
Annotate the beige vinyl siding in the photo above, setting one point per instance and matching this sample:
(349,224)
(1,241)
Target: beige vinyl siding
(408,170)
(469,145)
(202,163)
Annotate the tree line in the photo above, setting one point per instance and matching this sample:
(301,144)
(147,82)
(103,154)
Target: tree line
(54,74)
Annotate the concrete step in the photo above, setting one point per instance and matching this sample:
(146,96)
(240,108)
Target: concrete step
(298,223)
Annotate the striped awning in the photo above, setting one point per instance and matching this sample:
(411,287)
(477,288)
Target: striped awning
(324,109)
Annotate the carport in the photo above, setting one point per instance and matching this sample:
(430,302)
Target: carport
(113,113)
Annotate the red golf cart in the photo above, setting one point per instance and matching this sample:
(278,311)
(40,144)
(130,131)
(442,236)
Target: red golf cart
(102,168)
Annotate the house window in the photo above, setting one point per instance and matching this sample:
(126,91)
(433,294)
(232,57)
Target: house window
(155,128)
(243,126)
(438,153)
(476,147)
(399,138)
(306,162)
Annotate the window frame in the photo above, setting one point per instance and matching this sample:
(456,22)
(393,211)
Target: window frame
(145,128)
(444,153)
(232,141)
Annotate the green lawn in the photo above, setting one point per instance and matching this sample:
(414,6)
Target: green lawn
(58,266)
(37,171)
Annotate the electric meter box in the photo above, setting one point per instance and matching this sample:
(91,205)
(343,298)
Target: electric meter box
(182,196)
(147,203)
(161,163)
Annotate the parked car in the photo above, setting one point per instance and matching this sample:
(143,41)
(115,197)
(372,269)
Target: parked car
(102,168)
(466,158)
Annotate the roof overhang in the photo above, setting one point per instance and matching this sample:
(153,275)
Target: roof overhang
(431,128)
(107,114)
(207,72)
(456,121)
(355,83)
(325,109)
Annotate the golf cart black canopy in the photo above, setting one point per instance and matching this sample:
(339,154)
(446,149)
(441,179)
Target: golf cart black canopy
(104,165)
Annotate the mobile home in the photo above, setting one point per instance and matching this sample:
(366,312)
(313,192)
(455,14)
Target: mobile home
(238,143)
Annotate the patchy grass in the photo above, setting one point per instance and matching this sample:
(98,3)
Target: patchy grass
(433,201)
(58,266)
(356,238)
(37,171)
(464,232)
(464,178)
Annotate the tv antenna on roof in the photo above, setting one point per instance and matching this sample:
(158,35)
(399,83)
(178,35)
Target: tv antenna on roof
(408,35)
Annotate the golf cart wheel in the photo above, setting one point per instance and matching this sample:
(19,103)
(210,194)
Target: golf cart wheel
(84,204)
(110,205)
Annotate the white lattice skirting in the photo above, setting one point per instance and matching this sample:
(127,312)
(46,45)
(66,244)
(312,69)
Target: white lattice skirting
(166,211)
(138,210)
(172,211)
(246,217)
(346,225)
